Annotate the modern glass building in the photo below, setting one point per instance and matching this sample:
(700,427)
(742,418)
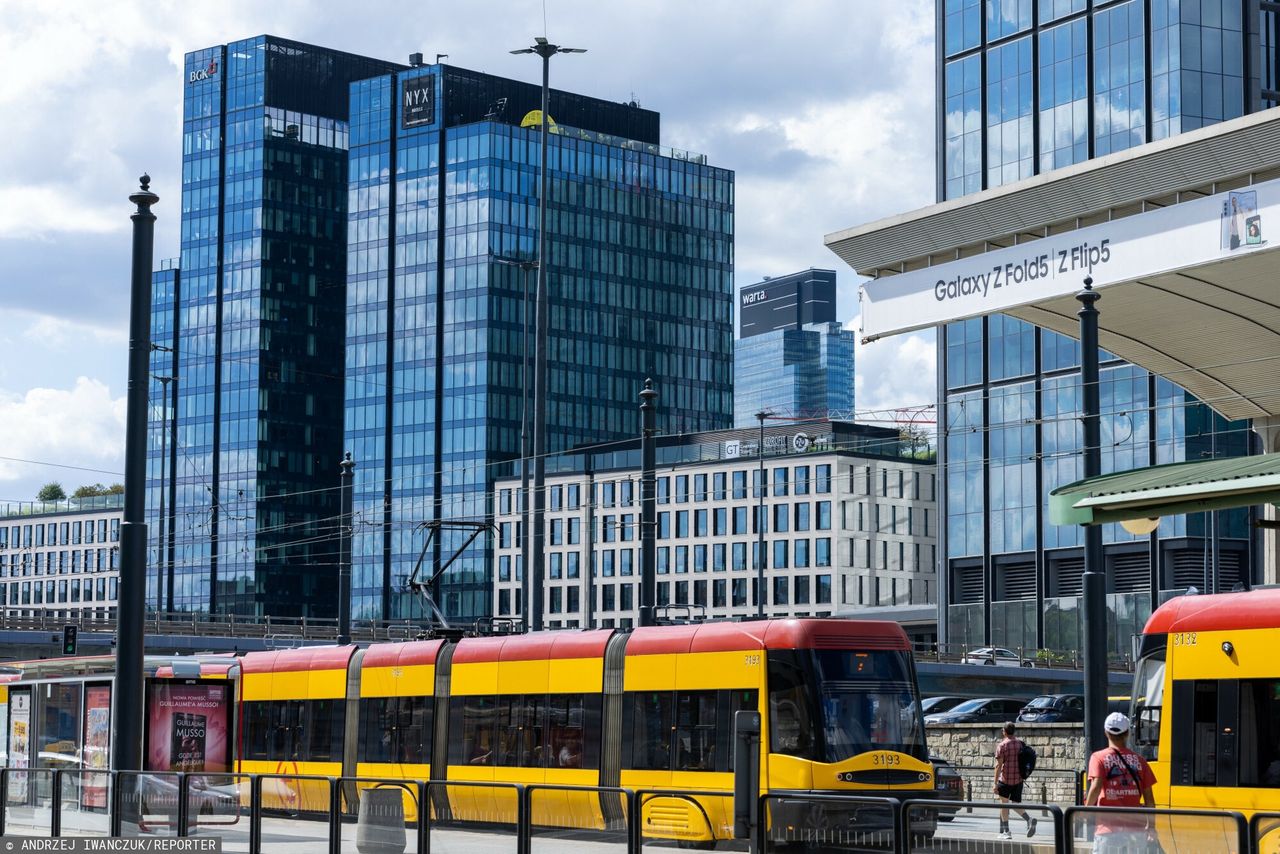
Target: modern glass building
(257,325)
(1027,86)
(442,226)
(792,358)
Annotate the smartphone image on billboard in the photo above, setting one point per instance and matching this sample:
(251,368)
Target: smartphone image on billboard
(186,751)
(1253,230)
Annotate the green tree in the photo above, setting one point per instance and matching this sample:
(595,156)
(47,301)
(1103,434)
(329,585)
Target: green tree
(93,490)
(51,491)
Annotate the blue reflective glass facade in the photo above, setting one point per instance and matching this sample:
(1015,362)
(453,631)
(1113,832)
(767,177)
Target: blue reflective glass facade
(800,373)
(258,328)
(166,291)
(1031,87)
(442,218)
(1013,434)
(1104,76)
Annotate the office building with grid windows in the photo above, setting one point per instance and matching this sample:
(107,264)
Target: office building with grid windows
(1025,87)
(61,558)
(442,229)
(792,357)
(849,519)
(248,464)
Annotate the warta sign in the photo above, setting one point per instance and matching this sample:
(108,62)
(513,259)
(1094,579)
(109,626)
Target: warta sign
(1174,238)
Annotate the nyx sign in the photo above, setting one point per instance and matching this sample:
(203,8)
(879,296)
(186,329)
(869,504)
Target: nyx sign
(203,73)
(418,101)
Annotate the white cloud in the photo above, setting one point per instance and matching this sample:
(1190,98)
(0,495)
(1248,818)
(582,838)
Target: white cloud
(58,332)
(34,211)
(82,426)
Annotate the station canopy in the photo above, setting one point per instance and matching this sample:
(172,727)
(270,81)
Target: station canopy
(1138,498)
(1181,239)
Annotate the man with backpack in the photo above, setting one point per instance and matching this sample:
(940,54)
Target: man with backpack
(1014,761)
(1118,777)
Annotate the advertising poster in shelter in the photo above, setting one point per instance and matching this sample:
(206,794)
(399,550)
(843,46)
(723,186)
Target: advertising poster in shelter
(97,744)
(188,726)
(19,744)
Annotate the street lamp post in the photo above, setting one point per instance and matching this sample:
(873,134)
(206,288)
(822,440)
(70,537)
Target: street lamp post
(129,704)
(534,571)
(345,530)
(760,518)
(1094,580)
(648,500)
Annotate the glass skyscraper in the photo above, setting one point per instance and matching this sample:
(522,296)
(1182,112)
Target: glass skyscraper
(1026,87)
(257,326)
(792,357)
(442,226)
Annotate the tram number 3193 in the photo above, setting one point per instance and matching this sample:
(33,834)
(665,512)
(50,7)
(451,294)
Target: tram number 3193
(885,759)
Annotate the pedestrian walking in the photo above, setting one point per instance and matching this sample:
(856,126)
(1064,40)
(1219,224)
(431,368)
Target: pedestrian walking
(1009,780)
(1118,777)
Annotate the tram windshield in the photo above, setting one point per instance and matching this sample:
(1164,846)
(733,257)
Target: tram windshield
(830,705)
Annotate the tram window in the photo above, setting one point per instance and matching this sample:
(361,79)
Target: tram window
(527,727)
(472,719)
(790,710)
(696,731)
(650,730)
(573,727)
(325,722)
(1148,704)
(296,730)
(1205,733)
(1260,726)
(396,729)
(732,702)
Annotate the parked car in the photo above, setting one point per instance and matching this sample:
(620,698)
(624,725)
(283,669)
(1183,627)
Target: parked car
(1053,708)
(994,655)
(981,711)
(938,705)
(949,785)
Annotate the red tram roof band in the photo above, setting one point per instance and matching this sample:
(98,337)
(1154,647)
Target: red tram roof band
(1253,609)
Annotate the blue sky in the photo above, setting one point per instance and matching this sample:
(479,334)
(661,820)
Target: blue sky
(824,108)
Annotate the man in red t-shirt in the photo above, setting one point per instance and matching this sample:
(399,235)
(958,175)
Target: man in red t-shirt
(1118,777)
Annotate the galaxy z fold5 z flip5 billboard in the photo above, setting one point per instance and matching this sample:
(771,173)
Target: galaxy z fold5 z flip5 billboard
(1173,238)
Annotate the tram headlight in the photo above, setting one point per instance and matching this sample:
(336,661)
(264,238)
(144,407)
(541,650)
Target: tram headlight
(1228,648)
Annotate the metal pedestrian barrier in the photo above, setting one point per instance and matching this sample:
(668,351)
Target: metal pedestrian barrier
(1109,830)
(288,814)
(821,822)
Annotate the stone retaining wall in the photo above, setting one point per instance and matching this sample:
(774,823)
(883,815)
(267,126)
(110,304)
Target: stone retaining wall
(972,748)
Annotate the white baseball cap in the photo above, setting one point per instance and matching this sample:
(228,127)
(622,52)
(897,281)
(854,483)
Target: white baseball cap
(1116,723)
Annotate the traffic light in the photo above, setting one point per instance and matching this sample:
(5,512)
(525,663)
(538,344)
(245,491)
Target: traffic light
(69,640)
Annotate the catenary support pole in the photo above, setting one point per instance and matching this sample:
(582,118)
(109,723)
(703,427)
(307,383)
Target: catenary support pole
(536,568)
(648,500)
(346,524)
(126,754)
(1095,578)
(537,556)
(761,520)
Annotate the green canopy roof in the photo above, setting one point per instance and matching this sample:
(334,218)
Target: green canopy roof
(1168,490)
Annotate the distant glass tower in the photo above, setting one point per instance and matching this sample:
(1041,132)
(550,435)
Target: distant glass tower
(792,357)
(1027,88)
(443,223)
(258,329)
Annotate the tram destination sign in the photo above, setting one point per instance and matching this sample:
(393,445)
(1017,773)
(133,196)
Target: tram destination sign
(1173,238)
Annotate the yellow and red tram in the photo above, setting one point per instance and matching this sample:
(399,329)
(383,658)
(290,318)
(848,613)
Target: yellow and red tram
(650,709)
